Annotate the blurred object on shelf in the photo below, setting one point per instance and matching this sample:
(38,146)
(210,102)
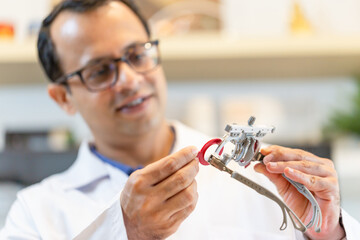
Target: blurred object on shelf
(176,17)
(201,114)
(56,140)
(346,120)
(26,141)
(23,13)
(60,140)
(31,167)
(262,18)
(30,156)
(7,31)
(299,24)
(33,29)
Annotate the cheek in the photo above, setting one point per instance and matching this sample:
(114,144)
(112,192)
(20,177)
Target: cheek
(92,104)
(159,82)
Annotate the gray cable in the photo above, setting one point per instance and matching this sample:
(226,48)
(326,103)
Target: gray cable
(263,191)
(317,216)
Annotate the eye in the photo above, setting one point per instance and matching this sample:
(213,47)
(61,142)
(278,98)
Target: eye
(99,72)
(102,70)
(137,58)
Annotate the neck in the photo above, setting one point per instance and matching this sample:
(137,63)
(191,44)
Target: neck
(139,150)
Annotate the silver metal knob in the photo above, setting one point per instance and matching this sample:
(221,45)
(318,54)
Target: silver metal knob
(251,121)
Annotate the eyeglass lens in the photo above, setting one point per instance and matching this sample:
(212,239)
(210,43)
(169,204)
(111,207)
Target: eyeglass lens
(141,58)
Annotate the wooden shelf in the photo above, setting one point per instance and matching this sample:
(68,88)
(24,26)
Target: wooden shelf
(200,46)
(215,56)
(211,56)
(19,63)
(15,52)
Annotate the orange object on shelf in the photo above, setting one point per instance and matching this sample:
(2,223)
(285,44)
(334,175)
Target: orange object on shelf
(299,23)
(6,31)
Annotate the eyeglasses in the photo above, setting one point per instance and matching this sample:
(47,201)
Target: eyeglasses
(103,74)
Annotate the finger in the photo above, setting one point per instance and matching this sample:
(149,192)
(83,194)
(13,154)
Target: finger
(163,168)
(279,181)
(277,153)
(177,218)
(261,168)
(178,181)
(313,183)
(182,200)
(303,166)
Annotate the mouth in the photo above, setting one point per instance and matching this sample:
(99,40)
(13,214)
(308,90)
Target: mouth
(135,104)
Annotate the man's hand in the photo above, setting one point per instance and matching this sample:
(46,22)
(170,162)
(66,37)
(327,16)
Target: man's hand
(317,174)
(159,197)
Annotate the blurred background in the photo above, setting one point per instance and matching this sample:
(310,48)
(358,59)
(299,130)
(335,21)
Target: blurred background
(293,64)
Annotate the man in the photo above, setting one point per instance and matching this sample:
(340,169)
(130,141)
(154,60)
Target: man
(136,178)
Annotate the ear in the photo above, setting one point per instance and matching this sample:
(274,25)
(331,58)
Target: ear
(62,97)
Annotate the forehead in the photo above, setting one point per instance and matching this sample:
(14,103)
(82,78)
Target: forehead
(104,31)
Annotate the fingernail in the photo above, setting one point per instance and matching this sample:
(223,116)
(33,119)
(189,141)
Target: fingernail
(272,164)
(268,158)
(291,170)
(257,169)
(195,151)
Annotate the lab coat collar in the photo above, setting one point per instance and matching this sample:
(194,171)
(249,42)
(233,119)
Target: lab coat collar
(86,169)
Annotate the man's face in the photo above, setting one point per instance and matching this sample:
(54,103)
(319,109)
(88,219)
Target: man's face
(105,33)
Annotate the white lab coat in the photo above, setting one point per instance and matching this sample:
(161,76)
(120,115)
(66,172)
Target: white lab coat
(83,203)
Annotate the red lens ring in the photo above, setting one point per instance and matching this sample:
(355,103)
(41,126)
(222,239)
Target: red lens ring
(201,154)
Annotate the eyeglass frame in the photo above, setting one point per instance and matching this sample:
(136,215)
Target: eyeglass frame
(64,79)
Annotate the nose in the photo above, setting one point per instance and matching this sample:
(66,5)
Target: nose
(128,78)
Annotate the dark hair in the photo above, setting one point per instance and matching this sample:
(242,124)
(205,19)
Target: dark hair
(46,48)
